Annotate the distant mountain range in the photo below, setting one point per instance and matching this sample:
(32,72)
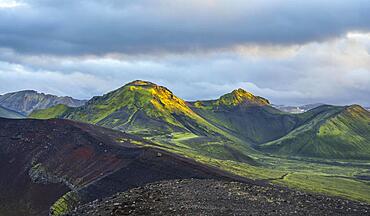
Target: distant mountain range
(302,108)
(297,109)
(235,125)
(25,102)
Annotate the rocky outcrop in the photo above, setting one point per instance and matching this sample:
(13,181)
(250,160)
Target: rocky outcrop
(25,102)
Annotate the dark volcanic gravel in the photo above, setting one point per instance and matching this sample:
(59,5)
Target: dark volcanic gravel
(212,197)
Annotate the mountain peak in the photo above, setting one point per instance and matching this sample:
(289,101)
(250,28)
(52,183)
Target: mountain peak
(240,97)
(146,86)
(356,109)
(146,89)
(140,83)
(137,101)
(241,93)
(28,91)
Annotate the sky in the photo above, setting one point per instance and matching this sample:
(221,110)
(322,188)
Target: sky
(290,52)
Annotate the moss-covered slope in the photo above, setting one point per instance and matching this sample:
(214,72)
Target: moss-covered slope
(247,116)
(56,111)
(142,108)
(337,132)
(152,111)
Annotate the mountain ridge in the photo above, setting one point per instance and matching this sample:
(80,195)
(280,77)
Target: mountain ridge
(26,101)
(237,98)
(238,120)
(139,101)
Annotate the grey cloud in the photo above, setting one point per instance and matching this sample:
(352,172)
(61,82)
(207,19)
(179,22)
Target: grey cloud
(288,52)
(336,72)
(144,26)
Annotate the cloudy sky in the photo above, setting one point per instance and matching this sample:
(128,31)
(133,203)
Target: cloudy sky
(291,52)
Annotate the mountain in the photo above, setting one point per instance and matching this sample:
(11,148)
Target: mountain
(337,132)
(152,111)
(7,113)
(323,132)
(53,165)
(241,133)
(297,109)
(237,126)
(237,98)
(139,107)
(248,117)
(25,102)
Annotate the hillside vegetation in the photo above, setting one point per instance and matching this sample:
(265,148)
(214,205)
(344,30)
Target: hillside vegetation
(56,111)
(324,150)
(154,112)
(234,126)
(339,132)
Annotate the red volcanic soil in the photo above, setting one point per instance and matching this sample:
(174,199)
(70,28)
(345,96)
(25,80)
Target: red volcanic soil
(40,160)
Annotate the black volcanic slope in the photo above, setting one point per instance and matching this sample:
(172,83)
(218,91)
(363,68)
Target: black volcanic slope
(211,197)
(42,160)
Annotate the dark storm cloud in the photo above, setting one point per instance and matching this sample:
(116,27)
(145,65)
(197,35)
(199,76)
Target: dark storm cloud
(291,52)
(143,26)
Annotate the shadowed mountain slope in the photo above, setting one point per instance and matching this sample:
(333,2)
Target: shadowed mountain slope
(25,102)
(7,113)
(60,163)
(247,116)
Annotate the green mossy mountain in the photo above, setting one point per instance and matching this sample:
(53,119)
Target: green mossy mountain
(248,117)
(233,126)
(142,108)
(236,98)
(335,133)
(154,112)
